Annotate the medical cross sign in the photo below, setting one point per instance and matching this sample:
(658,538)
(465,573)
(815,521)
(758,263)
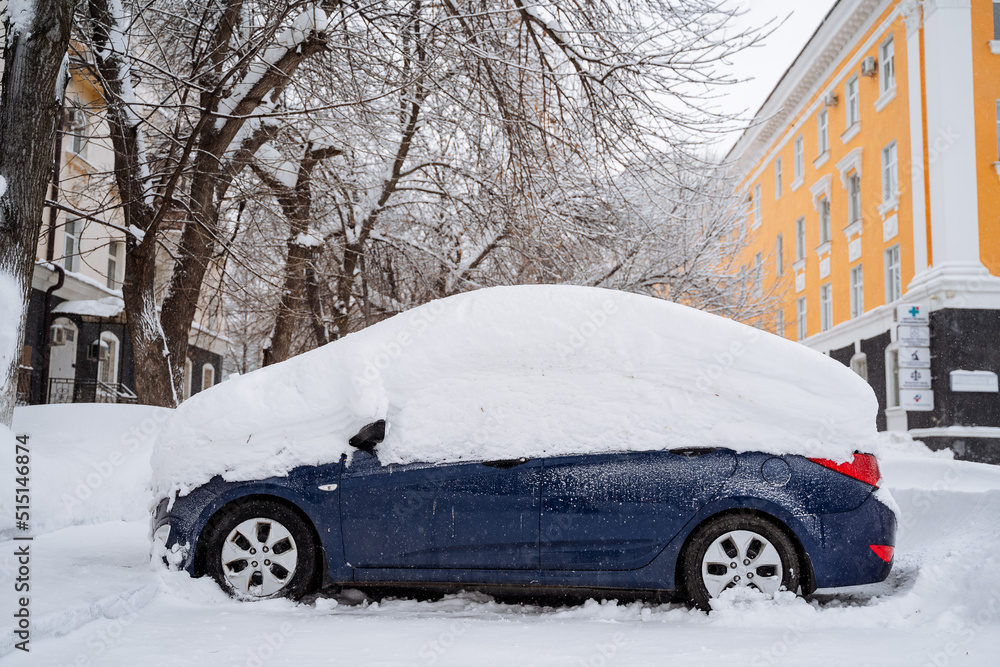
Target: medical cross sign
(912,313)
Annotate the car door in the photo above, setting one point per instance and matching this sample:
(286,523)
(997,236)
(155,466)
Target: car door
(465,515)
(618,511)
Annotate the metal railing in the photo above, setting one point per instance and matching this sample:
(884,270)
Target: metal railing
(63,390)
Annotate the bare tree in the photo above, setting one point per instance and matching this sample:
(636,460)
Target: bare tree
(33,86)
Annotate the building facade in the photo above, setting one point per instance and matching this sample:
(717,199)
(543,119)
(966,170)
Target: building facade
(76,346)
(873,179)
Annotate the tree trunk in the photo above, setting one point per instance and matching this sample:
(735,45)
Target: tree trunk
(33,89)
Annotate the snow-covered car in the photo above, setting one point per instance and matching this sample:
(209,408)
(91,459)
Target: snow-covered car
(531,437)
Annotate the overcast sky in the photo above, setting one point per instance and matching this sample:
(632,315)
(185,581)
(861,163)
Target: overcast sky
(764,64)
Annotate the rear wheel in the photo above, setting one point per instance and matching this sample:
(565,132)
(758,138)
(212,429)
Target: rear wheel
(738,551)
(261,549)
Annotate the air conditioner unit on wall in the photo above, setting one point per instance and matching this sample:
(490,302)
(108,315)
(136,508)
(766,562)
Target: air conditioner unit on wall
(57,334)
(869,67)
(831,100)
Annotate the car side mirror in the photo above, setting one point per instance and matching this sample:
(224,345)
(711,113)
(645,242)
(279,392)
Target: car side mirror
(369,436)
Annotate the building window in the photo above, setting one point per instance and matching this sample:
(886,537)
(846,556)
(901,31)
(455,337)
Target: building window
(996,20)
(857,292)
(779,256)
(893,282)
(779,323)
(187,378)
(890,173)
(207,376)
(76,128)
(757,214)
(823,130)
(113,265)
(854,197)
(800,167)
(800,238)
(852,107)
(800,318)
(887,78)
(859,364)
(824,221)
(892,376)
(825,307)
(107,360)
(757,271)
(777,178)
(71,248)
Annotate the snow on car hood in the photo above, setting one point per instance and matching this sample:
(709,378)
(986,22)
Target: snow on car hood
(526,371)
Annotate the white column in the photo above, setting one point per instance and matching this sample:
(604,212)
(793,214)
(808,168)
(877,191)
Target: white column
(915,88)
(954,208)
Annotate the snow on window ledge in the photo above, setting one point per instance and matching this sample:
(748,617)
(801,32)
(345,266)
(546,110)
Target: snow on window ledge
(884,99)
(822,159)
(889,206)
(996,166)
(995,46)
(851,132)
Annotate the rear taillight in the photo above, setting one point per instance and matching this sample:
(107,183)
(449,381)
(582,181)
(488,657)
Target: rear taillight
(883,551)
(863,467)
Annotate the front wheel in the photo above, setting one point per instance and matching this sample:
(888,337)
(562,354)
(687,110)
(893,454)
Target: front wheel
(261,549)
(738,551)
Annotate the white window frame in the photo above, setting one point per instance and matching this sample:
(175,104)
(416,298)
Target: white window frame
(857,291)
(113,254)
(825,234)
(758,272)
(852,106)
(823,130)
(798,152)
(801,321)
(892,376)
(209,371)
(72,229)
(779,322)
(777,178)
(825,307)
(800,238)
(188,372)
(859,364)
(107,364)
(77,128)
(890,173)
(853,198)
(887,67)
(893,275)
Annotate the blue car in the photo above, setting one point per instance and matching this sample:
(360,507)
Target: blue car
(694,521)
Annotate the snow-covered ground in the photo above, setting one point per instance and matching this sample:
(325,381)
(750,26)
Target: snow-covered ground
(96,600)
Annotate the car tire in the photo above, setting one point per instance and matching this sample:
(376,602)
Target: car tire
(260,549)
(738,550)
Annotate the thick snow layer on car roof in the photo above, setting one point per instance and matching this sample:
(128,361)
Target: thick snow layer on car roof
(515,372)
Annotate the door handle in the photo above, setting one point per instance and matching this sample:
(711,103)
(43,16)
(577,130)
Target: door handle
(506,464)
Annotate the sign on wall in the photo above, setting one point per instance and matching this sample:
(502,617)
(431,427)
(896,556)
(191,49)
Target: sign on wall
(916,400)
(912,313)
(914,378)
(975,381)
(914,357)
(913,336)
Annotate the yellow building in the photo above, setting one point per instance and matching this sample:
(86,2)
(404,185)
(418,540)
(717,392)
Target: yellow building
(76,346)
(873,175)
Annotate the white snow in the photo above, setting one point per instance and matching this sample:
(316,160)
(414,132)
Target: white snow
(308,240)
(282,170)
(524,371)
(21,14)
(3,186)
(96,600)
(109,306)
(11,305)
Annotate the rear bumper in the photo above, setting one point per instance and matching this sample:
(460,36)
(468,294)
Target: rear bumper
(839,544)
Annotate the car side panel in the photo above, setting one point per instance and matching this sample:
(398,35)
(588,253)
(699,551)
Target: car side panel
(466,515)
(618,511)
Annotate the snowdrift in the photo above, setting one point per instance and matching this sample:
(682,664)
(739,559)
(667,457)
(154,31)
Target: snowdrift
(523,371)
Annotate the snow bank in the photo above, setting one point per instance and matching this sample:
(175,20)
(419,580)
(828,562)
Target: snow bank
(89,463)
(523,371)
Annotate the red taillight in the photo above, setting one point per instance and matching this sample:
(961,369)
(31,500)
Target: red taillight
(882,551)
(862,467)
